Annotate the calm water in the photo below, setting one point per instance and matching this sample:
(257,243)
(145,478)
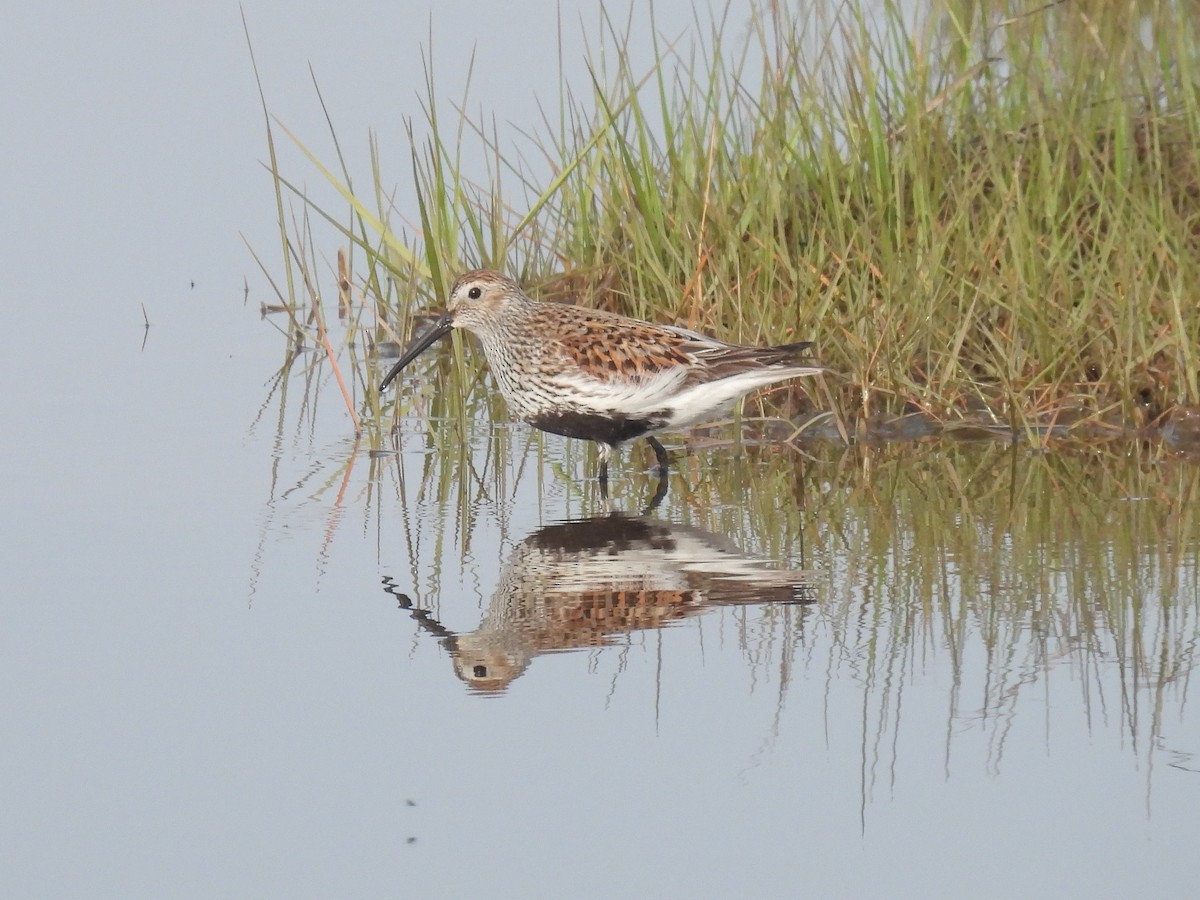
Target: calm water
(241,654)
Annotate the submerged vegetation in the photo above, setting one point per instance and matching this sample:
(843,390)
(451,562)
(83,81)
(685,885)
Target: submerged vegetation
(961,571)
(987,219)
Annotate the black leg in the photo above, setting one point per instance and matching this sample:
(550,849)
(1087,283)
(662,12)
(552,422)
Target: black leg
(604,479)
(659,494)
(660,454)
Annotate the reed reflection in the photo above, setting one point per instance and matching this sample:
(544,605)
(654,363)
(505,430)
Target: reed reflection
(584,584)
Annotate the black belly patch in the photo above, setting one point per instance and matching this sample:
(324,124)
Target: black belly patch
(612,429)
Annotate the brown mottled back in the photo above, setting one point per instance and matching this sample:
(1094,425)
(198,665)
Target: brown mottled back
(605,342)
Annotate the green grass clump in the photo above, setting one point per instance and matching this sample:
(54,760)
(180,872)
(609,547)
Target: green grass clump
(990,216)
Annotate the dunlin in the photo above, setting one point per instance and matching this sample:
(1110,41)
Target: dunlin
(599,376)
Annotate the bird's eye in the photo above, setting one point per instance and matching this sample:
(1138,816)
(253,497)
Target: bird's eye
(475,293)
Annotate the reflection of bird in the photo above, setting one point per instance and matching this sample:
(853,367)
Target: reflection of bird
(579,584)
(598,376)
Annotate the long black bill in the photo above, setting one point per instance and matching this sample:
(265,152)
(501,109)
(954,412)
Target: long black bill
(439,329)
